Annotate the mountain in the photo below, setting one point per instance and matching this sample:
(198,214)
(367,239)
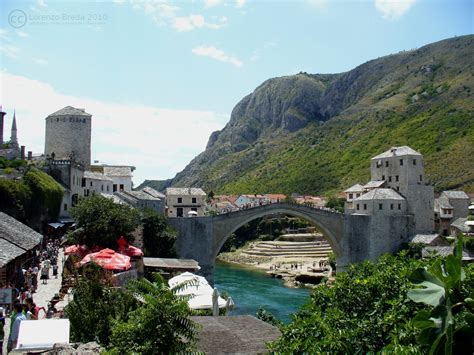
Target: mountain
(315,133)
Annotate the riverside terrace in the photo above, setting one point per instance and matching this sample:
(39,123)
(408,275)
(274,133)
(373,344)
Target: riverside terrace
(353,237)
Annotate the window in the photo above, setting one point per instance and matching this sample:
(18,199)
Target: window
(401,162)
(83,182)
(194,200)
(121,187)
(391,206)
(396,178)
(421,177)
(107,188)
(414,161)
(180,200)
(114,188)
(91,183)
(389,179)
(65,207)
(86,192)
(101,187)
(358,207)
(179,212)
(383,177)
(399,206)
(365,206)
(350,196)
(380,206)
(386,163)
(398,188)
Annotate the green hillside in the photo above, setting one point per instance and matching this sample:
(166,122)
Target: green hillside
(315,134)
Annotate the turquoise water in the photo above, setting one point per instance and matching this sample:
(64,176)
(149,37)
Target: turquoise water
(252,289)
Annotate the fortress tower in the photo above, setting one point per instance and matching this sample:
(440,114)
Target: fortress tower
(68,135)
(14,134)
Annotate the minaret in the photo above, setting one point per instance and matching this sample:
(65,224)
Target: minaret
(14,138)
(2,115)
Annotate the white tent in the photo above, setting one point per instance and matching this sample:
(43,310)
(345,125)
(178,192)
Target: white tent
(201,291)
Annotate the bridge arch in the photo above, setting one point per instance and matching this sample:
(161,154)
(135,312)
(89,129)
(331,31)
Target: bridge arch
(322,219)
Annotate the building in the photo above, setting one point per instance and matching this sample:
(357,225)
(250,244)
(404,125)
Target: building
(10,150)
(249,200)
(18,245)
(380,201)
(96,183)
(180,201)
(121,175)
(448,207)
(68,135)
(142,199)
(352,193)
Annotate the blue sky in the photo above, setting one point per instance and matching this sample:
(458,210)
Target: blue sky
(160,76)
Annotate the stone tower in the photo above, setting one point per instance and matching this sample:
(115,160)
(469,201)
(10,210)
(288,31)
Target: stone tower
(68,135)
(14,135)
(402,170)
(2,115)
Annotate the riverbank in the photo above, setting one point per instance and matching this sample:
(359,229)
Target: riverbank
(295,270)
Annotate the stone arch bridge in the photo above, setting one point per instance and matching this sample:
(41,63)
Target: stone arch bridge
(201,238)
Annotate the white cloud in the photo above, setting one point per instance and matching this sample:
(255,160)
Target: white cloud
(192,22)
(41,3)
(239,3)
(217,54)
(40,61)
(9,50)
(212,3)
(22,34)
(158,141)
(393,9)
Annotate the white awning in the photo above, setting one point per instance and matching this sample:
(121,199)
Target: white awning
(42,334)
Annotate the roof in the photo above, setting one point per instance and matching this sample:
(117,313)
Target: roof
(180,191)
(234,334)
(444,251)
(140,195)
(115,198)
(96,176)
(70,111)
(460,224)
(355,188)
(443,202)
(380,194)
(275,196)
(9,252)
(455,195)
(397,151)
(424,238)
(118,170)
(374,184)
(151,191)
(17,233)
(169,263)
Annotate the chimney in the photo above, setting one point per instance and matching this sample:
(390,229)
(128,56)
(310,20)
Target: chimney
(30,155)
(2,115)
(22,152)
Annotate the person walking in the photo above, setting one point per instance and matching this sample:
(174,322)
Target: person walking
(45,274)
(15,329)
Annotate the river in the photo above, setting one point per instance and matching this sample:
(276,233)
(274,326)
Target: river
(251,289)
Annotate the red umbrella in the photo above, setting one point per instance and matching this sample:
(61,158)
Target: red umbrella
(108,259)
(76,249)
(132,251)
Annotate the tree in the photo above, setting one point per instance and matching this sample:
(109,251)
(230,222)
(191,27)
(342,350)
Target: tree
(160,325)
(336,203)
(448,327)
(158,236)
(104,221)
(95,305)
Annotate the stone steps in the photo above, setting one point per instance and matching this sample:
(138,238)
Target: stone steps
(303,254)
(289,249)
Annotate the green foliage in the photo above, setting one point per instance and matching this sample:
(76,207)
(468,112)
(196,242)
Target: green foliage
(14,164)
(95,305)
(267,317)
(103,221)
(161,324)
(158,235)
(365,310)
(46,192)
(332,260)
(448,327)
(336,203)
(15,197)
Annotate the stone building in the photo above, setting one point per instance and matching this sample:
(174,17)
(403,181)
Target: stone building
(380,201)
(68,135)
(448,207)
(96,183)
(11,149)
(180,201)
(142,199)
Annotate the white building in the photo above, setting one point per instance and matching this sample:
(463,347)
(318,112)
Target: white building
(121,175)
(380,201)
(96,183)
(180,201)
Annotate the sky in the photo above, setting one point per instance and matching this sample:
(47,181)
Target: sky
(158,77)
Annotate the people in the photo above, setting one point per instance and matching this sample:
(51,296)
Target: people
(15,329)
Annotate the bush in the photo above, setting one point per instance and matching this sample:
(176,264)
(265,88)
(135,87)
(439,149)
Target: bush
(158,235)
